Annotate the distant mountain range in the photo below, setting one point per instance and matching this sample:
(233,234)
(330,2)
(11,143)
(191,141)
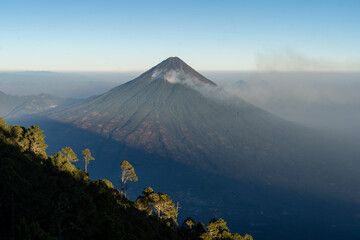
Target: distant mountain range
(63,84)
(14,106)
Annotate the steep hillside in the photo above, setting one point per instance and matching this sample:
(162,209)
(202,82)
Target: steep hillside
(46,197)
(8,103)
(263,210)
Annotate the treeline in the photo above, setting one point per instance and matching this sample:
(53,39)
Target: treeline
(46,197)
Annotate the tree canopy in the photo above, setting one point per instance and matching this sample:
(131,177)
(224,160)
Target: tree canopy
(69,154)
(217,229)
(159,203)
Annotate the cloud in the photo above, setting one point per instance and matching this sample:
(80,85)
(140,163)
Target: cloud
(174,76)
(289,60)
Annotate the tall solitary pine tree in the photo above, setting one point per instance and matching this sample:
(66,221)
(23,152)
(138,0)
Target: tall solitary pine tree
(87,157)
(127,174)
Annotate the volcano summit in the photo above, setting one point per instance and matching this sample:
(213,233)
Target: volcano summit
(175,112)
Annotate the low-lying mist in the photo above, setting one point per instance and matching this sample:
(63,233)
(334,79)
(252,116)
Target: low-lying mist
(62,84)
(328,101)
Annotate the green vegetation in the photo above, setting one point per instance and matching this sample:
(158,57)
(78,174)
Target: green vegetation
(69,154)
(127,174)
(160,203)
(46,197)
(87,157)
(217,229)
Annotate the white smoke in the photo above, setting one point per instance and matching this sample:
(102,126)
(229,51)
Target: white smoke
(327,101)
(178,77)
(156,74)
(290,60)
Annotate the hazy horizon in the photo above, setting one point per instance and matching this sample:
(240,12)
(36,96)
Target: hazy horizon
(326,101)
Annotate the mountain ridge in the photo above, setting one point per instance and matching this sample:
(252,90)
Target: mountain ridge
(13,105)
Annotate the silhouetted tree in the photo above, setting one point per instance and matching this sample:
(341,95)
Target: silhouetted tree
(248,237)
(217,227)
(3,125)
(87,157)
(127,174)
(189,223)
(189,228)
(17,132)
(160,203)
(143,203)
(69,154)
(33,140)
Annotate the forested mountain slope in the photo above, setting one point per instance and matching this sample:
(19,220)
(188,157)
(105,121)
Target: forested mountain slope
(46,197)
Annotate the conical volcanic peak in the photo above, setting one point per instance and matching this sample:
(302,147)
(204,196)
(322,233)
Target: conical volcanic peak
(162,114)
(173,63)
(175,67)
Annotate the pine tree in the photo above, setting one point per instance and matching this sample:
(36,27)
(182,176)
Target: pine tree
(2,123)
(217,227)
(160,203)
(127,174)
(189,223)
(87,157)
(69,154)
(33,140)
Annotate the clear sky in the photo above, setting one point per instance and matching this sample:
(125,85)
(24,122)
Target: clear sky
(102,35)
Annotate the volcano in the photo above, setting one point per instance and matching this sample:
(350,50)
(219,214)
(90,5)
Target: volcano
(175,112)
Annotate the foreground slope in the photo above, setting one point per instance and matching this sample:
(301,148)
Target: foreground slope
(45,197)
(264,211)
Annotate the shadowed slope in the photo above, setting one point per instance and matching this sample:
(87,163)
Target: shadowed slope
(265,211)
(46,197)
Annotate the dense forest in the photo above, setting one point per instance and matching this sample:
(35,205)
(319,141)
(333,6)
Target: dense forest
(46,197)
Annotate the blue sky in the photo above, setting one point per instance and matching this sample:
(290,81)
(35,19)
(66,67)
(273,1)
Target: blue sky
(209,35)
